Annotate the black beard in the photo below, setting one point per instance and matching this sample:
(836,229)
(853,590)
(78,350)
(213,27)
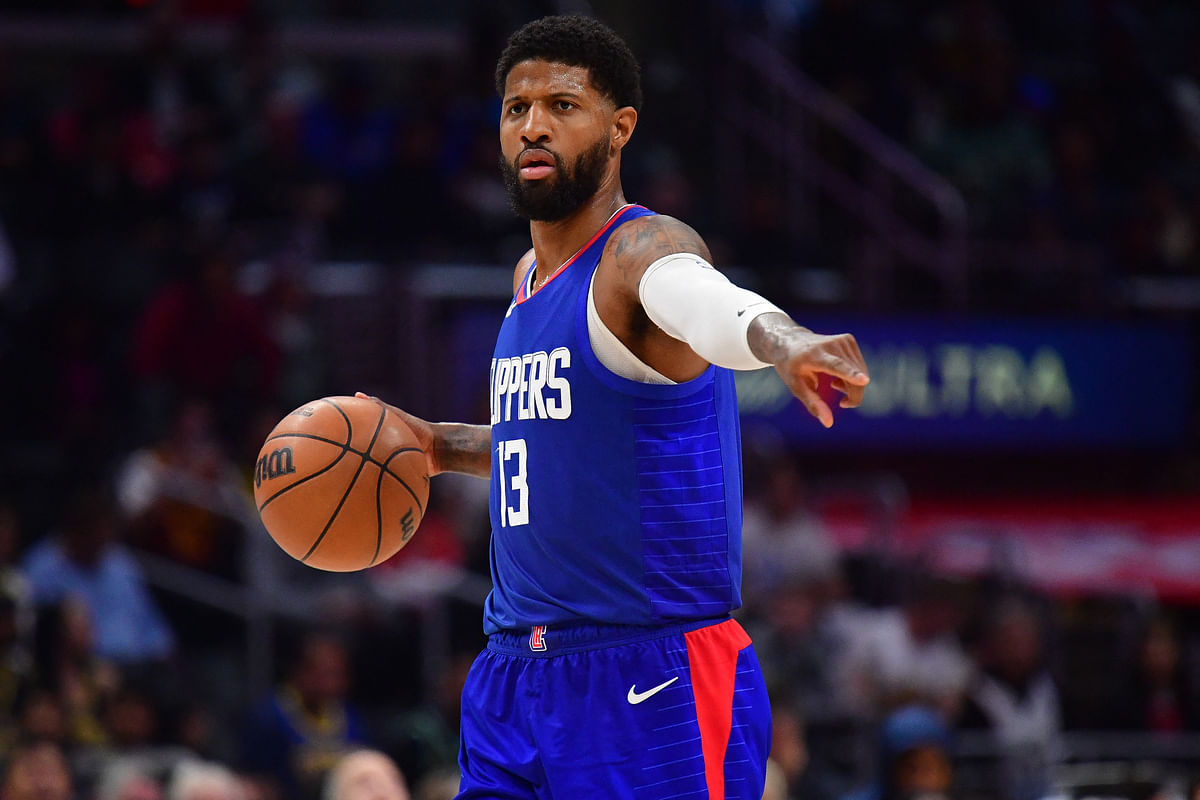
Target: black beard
(556,198)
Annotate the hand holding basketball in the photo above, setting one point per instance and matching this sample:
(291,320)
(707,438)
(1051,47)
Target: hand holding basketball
(421,429)
(342,483)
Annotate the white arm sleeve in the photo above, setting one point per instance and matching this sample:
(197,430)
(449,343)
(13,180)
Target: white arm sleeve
(692,302)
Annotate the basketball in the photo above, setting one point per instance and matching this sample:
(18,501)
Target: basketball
(341,483)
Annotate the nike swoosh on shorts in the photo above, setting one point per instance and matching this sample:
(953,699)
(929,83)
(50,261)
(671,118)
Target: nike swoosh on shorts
(634,697)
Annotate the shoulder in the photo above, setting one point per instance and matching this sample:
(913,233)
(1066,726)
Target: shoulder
(523,265)
(640,242)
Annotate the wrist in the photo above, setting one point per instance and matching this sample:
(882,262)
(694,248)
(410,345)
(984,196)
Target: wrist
(773,337)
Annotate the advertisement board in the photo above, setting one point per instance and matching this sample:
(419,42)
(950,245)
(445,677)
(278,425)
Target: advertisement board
(948,383)
(996,384)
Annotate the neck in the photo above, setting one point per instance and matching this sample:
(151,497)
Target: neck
(555,242)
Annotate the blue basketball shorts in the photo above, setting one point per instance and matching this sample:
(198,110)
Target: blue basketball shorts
(616,711)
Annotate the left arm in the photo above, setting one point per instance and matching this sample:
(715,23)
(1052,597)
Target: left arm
(693,315)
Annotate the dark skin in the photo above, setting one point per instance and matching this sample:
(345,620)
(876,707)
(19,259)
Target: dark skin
(550,108)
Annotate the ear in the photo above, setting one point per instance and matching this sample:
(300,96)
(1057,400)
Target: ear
(623,122)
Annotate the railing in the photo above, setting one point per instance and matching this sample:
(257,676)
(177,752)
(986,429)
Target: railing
(1115,764)
(772,105)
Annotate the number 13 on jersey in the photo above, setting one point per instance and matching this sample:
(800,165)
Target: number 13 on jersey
(514,488)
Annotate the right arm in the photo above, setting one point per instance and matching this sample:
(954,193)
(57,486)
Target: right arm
(457,447)
(449,446)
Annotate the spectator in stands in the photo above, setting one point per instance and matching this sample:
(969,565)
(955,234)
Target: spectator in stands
(127,779)
(81,559)
(13,584)
(347,135)
(202,195)
(204,780)
(183,496)
(915,758)
(783,540)
(196,729)
(906,654)
(80,385)
(296,736)
(365,775)
(37,771)
(131,719)
(69,665)
(16,623)
(793,591)
(303,352)
(1015,698)
(1159,695)
(441,784)
(201,337)
(424,739)
(16,672)
(41,718)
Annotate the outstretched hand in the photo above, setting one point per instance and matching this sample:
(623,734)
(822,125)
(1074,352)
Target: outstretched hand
(422,429)
(801,357)
(837,356)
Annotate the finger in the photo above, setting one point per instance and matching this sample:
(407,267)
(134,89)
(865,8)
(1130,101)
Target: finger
(363,395)
(855,355)
(853,394)
(813,402)
(839,367)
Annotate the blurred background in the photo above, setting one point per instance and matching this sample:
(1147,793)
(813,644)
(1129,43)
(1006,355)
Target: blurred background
(982,584)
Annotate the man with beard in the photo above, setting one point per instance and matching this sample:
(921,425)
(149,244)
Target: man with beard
(613,667)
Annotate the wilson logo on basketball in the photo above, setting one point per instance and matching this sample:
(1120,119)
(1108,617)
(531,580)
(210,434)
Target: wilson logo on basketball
(279,462)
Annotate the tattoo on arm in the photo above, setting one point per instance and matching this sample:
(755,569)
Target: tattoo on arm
(769,336)
(464,448)
(640,243)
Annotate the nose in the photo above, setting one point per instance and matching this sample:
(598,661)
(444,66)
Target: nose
(536,127)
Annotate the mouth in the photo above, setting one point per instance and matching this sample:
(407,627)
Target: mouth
(536,163)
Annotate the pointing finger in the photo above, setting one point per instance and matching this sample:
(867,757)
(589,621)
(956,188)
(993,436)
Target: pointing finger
(839,367)
(813,402)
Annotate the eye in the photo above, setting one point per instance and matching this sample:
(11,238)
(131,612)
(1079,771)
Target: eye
(516,108)
(564,105)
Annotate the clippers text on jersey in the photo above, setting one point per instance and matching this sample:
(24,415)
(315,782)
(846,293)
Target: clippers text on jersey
(531,386)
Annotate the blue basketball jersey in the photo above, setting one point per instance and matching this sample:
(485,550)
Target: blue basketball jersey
(612,501)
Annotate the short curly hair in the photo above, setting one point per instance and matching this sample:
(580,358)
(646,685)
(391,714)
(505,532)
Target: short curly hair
(577,41)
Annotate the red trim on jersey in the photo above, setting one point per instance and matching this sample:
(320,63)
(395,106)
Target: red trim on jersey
(522,293)
(712,660)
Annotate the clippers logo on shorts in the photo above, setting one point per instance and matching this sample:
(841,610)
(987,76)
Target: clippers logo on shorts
(537,638)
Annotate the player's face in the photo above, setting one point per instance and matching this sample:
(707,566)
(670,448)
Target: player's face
(556,139)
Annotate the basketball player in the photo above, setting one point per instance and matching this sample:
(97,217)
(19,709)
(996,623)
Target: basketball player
(613,668)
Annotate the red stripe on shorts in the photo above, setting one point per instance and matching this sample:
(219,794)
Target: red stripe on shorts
(712,659)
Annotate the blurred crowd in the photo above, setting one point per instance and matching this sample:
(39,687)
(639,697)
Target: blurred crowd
(1067,126)
(887,678)
(161,210)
